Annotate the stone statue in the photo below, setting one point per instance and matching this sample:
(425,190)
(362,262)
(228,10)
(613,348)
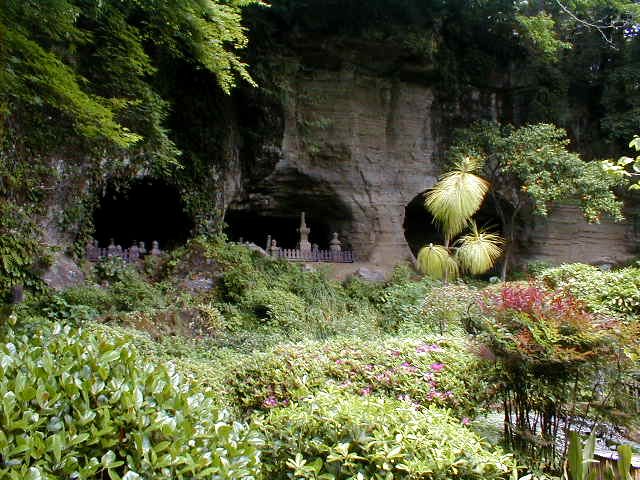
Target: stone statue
(335,244)
(274,248)
(92,251)
(142,248)
(134,252)
(155,248)
(304,245)
(112,250)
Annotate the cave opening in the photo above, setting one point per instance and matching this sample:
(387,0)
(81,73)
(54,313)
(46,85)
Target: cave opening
(420,228)
(144,210)
(275,210)
(251,226)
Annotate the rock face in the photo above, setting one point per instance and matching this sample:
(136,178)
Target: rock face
(565,237)
(356,149)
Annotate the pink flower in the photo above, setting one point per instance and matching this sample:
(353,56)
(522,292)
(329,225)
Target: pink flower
(365,391)
(270,401)
(340,361)
(368,367)
(436,367)
(466,421)
(407,366)
(424,348)
(395,353)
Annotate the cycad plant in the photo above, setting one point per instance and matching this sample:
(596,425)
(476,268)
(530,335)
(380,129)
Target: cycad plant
(453,201)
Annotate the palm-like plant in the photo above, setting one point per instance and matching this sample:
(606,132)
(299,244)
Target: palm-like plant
(435,261)
(457,196)
(453,201)
(478,250)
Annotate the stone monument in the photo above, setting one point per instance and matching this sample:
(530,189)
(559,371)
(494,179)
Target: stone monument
(335,244)
(304,245)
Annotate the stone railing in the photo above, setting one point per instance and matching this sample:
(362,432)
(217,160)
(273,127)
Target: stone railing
(296,255)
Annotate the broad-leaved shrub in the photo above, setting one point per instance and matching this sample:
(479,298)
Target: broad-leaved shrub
(338,436)
(80,405)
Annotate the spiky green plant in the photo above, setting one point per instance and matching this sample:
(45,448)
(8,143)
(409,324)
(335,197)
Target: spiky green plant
(478,250)
(437,262)
(457,196)
(452,202)
(580,459)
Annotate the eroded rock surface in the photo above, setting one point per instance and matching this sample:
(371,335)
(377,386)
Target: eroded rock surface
(356,149)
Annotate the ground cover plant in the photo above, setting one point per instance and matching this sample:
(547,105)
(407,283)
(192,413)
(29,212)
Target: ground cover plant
(430,371)
(615,292)
(316,378)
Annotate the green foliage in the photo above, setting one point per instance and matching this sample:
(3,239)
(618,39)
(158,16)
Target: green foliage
(43,73)
(580,459)
(613,292)
(111,269)
(17,264)
(439,371)
(620,169)
(336,436)
(401,302)
(80,405)
(541,36)
(534,161)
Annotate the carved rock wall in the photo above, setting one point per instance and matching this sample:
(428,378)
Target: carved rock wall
(365,140)
(565,237)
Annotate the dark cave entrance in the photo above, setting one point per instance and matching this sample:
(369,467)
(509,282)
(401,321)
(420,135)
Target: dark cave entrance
(250,226)
(144,210)
(287,196)
(420,229)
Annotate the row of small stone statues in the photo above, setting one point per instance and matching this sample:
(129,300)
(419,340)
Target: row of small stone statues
(135,252)
(335,245)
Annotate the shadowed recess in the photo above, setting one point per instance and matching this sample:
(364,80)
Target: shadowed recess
(144,210)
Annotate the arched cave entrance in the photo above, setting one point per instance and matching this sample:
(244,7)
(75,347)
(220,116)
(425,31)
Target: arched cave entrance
(275,210)
(144,210)
(251,226)
(420,229)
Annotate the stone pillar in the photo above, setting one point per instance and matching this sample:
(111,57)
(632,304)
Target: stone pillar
(304,245)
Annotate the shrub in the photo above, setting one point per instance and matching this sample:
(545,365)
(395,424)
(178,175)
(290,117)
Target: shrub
(345,436)
(277,308)
(613,292)
(434,371)
(92,296)
(111,269)
(80,405)
(402,302)
(549,349)
(131,292)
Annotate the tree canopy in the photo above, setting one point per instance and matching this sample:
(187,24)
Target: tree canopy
(530,168)
(93,65)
